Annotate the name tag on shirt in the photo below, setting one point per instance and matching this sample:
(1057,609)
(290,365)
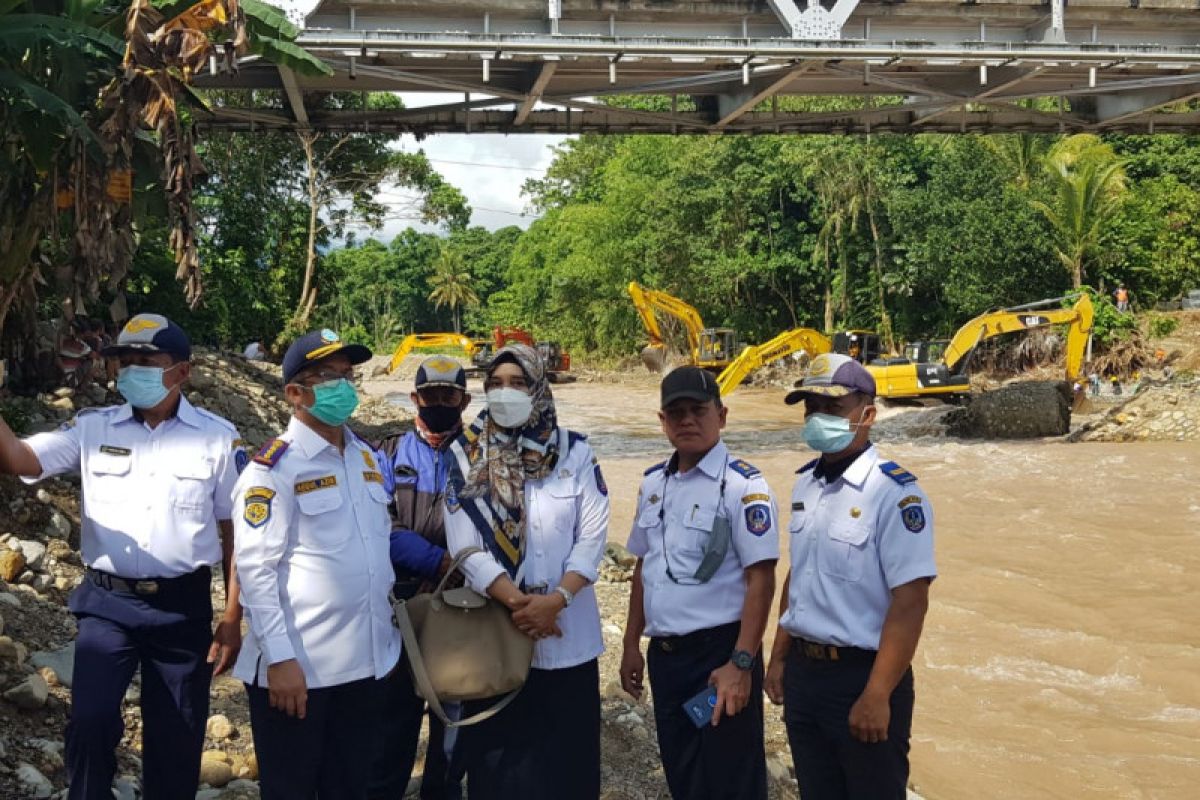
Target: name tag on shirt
(112,450)
(304,487)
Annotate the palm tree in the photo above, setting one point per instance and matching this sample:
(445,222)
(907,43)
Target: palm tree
(1023,153)
(451,282)
(1088,183)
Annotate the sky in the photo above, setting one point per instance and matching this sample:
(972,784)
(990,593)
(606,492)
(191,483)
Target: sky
(487,168)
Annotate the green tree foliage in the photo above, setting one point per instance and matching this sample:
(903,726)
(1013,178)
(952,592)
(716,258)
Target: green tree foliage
(451,285)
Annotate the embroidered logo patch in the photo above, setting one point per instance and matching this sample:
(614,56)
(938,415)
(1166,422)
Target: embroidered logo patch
(304,487)
(908,501)
(452,504)
(756,498)
(372,477)
(258,506)
(914,518)
(600,484)
(369,459)
(798,505)
(758,518)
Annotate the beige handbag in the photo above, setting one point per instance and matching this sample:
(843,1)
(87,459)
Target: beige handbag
(462,646)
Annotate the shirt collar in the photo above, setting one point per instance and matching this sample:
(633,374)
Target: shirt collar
(185,413)
(308,441)
(855,472)
(713,463)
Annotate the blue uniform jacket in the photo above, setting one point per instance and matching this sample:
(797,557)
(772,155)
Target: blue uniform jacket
(414,474)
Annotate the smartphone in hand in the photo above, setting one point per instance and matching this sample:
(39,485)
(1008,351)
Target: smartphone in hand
(699,709)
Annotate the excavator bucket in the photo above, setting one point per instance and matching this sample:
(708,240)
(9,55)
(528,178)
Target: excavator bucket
(654,357)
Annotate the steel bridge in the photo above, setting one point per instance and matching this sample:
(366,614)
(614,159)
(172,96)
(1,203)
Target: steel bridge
(733,66)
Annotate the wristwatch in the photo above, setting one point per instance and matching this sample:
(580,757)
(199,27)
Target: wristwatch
(567,595)
(742,659)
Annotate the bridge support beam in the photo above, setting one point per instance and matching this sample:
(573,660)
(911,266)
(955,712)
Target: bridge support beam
(1113,108)
(814,22)
(732,106)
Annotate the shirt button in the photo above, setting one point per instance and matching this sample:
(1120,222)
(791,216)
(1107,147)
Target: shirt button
(540,553)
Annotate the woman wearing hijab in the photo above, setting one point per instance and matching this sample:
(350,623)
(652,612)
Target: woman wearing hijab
(531,495)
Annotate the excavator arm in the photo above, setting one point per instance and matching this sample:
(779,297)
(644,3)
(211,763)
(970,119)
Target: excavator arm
(647,301)
(996,323)
(785,344)
(416,341)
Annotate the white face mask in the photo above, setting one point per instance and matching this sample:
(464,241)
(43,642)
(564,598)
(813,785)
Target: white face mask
(510,408)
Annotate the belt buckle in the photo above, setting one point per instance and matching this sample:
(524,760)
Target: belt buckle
(666,646)
(145,587)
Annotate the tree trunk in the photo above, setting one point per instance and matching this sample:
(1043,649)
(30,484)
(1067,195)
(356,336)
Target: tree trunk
(885,322)
(828,290)
(308,297)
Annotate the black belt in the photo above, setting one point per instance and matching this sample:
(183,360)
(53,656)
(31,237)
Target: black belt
(690,641)
(143,586)
(818,651)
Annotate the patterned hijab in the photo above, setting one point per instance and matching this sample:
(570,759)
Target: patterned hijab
(491,464)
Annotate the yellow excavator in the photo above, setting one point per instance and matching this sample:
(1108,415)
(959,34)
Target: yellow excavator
(860,345)
(710,348)
(920,373)
(419,341)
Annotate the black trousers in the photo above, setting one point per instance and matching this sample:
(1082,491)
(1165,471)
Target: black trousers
(727,762)
(544,746)
(167,636)
(830,763)
(399,731)
(326,755)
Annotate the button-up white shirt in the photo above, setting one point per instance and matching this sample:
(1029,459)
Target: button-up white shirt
(853,540)
(675,516)
(311,544)
(151,496)
(566,517)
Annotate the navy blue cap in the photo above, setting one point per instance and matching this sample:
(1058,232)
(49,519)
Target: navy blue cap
(318,346)
(151,333)
(441,371)
(690,383)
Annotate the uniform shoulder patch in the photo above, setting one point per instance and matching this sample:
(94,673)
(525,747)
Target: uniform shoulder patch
(913,518)
(600,484)
(758,518)
(574,438)
(744,468)
(808,466)
(270,453)
(898,473)
(258,506)
(656,468)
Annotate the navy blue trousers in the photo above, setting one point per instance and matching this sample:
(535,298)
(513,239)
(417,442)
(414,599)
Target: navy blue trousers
(396,746)
(727,762)
(545,745)
(326,755)
(167,636)
(830,763)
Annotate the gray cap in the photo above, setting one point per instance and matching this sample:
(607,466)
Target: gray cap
(832,375)
(441,371)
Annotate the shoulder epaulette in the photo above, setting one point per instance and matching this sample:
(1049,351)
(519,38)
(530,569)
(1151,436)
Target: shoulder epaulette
(224,423)
(270,453)
(808,466)
(898,473)
(574,438)
(656,468)
(744,468)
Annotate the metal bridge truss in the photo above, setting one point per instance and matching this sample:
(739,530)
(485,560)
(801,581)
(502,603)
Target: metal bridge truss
(728,67)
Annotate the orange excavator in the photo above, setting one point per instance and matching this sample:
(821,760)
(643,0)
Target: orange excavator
(558,361)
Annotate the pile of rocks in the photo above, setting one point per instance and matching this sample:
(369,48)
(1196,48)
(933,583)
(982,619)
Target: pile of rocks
(1162,411)
(618,564)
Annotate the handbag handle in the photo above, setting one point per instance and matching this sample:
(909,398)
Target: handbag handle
(415,660)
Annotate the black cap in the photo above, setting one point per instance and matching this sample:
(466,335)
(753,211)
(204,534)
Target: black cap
(318,346)
(690,383)
(151,333)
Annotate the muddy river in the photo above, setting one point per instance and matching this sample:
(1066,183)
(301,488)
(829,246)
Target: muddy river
(1061,656)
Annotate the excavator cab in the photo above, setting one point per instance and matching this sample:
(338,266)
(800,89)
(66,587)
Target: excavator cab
(553,356)
(863,346)
(926,351)
(718,346)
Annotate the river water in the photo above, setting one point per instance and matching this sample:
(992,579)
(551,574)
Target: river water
(1061,654)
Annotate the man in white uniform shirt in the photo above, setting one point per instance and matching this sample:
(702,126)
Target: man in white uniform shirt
(157,474)
(706,540)
(312,532)
(855,598)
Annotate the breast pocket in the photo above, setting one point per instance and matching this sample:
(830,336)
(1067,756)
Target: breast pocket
(557,510)
(108,476)
(696,531)
(377,496)
(845,549)
(322,527)
(192,487)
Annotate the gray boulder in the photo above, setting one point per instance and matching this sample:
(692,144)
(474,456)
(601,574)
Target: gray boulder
(1026,410)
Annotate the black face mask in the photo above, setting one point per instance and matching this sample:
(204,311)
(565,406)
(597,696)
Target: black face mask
(440,419)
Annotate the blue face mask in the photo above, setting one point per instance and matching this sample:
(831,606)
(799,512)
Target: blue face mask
(335,401)
(827,433)
(142,387)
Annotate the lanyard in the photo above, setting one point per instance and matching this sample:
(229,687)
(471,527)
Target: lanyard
(662,509)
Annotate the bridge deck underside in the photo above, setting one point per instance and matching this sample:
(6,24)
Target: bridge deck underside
(948,68)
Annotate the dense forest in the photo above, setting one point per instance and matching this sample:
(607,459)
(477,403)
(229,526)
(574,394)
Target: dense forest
(110,204)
